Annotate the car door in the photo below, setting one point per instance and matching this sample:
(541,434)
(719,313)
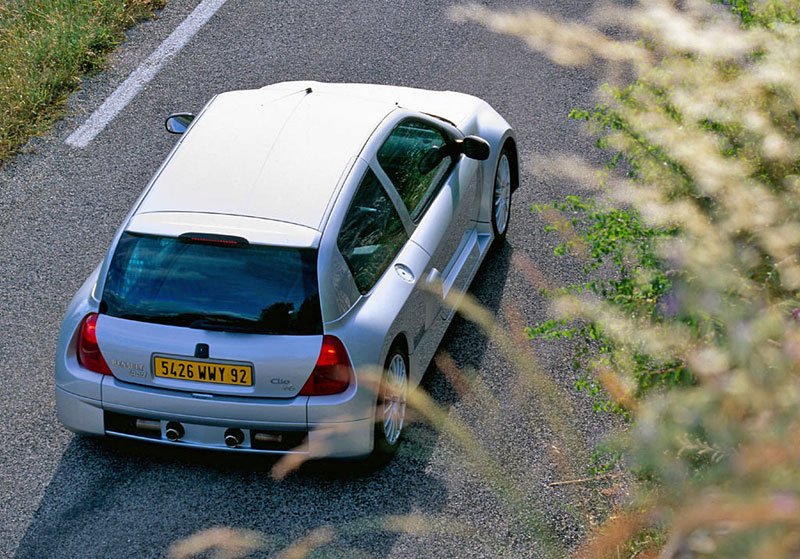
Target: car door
(425,178)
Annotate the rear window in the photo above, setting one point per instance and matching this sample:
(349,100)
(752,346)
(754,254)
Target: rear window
(239,288)
(371,234)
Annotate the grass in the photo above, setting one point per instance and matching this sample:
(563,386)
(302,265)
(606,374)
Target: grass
(45,48)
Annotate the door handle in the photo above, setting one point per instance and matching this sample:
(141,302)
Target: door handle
(433,282)
(434,297)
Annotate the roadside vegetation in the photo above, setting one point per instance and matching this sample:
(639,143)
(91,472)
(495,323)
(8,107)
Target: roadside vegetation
(691,329)
(46,46)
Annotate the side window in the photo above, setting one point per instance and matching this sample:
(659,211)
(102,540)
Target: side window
(372,233)
(415,158)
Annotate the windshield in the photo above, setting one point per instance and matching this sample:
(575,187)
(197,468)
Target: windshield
(231,287)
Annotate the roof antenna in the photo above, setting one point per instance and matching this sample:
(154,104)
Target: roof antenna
(308,90)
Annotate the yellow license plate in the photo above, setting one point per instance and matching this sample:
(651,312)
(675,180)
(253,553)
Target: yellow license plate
(203,371)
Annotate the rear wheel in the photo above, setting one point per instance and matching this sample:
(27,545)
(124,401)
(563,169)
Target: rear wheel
(501,196)
(391,408)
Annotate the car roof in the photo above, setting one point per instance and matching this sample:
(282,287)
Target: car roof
(267,163)
(275,153)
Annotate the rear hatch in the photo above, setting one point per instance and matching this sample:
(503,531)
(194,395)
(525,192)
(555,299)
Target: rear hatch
(211,314)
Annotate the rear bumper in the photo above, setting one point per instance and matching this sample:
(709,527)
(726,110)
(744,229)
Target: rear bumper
(79,413)
(206,420)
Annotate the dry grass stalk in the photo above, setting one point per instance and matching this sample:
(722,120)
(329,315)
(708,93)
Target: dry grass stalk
(220,542)
(710,128)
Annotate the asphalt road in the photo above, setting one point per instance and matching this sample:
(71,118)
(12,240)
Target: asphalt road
(66,496)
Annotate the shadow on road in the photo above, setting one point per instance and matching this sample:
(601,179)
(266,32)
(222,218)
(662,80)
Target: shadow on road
(142,498)
(464,341)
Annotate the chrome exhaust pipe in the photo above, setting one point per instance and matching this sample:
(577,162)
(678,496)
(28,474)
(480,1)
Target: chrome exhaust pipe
(234,437)
(175,431)
(149,425)
(268,438)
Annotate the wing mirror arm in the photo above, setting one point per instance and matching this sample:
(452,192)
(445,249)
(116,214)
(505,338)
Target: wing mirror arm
(177,123)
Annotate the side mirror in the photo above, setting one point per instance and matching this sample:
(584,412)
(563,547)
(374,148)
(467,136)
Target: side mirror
(177,123)
(476,148)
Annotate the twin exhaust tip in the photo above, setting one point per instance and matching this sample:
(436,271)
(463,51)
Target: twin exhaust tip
(175,432)
(234,437)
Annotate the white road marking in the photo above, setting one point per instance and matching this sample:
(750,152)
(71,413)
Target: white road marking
(146,71)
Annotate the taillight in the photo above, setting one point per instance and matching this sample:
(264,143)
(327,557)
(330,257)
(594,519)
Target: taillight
(89,354)
(331,375)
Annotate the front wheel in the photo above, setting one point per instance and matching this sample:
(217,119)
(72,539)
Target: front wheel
(501,196)
(391,406)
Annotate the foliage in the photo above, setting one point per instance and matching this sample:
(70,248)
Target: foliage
(633,278)
(45,48)
(708,134)
(766,13)
(604,460)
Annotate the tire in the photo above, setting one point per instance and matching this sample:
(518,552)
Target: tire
(390,411)
(501,195)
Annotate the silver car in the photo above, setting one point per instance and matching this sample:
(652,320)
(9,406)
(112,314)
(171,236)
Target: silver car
(279,285)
